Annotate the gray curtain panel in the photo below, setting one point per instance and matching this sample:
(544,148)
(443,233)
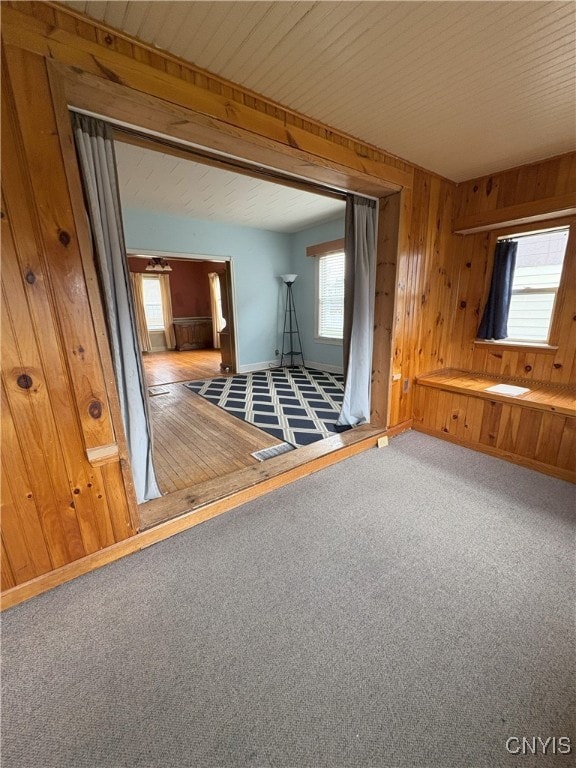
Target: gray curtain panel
(359,289)
(95,149)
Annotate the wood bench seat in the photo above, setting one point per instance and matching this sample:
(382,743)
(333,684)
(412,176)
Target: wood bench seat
(558,398)
(536,429)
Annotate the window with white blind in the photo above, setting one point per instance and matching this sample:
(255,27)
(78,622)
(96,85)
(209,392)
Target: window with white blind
(537,274)
(330,296)
(153,303)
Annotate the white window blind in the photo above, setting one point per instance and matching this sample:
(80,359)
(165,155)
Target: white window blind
(535,284)
(153,304)
(331,295)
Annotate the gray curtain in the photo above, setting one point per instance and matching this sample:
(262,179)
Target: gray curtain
(95,149)
(494,323)
(359,289)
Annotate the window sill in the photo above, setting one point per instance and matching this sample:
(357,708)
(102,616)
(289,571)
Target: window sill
(516,346)
(325,340)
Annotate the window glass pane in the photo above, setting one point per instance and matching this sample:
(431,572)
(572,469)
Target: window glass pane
(153,304)
(331,295)
(536,279)
(529,316)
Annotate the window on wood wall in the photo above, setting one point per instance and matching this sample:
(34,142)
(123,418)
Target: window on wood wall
(537,274)
(153,303)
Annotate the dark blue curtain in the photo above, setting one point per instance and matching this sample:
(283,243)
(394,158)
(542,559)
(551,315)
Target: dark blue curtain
(494,324)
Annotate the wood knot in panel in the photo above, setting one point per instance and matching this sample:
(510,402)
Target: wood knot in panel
(24,381)
(95,409)
(64,237)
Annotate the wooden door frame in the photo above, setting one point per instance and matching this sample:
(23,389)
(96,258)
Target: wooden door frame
(176,255)
(73,88)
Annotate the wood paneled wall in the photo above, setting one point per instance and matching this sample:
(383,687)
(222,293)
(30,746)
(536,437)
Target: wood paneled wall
(57,505)
(539,195)
(533,438)
(67,494)
(536,191)
(426,289)
(532,193)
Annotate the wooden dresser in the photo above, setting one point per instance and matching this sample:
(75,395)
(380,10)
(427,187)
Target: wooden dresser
(193,333)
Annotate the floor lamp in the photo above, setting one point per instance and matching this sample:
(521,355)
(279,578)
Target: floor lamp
(291,342)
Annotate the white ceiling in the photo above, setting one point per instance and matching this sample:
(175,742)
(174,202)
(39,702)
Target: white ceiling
(160,182)
(461,88)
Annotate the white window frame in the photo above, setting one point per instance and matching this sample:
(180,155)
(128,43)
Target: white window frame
(317,334)
(160,327)
(538,291)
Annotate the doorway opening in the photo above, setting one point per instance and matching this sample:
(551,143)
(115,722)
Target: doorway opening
(256,230)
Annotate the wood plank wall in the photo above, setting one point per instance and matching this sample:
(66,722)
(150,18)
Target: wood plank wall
(540,195)
(426,290)
(536,439)
(531,192)
(59,507)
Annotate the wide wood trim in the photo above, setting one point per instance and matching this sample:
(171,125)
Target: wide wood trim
(324,249)
(405,426)
(108,65)
(538,466)
(387,260)
(194,511)
(516,215)
(92,31)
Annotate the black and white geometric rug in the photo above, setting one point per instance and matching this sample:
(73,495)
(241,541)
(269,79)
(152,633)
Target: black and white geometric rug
(297,405)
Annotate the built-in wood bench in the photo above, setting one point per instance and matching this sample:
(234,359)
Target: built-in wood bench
(536,428)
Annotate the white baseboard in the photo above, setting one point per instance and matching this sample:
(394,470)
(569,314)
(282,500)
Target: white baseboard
(325,367)
(264,366)
(267,364)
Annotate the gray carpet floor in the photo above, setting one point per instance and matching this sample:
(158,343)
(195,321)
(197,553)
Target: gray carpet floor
(410,606)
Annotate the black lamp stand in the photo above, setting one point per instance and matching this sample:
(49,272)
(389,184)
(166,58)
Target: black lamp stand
(291,336)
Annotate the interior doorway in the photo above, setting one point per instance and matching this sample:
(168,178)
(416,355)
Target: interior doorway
(195,440)
(196,311)
(194,340)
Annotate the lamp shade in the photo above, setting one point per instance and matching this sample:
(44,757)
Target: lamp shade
(288,279)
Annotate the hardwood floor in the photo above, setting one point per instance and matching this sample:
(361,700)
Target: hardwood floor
(195,441)
(169,367)
(202,455)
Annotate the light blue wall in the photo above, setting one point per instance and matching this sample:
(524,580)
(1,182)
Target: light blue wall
(304,290)
(258,258)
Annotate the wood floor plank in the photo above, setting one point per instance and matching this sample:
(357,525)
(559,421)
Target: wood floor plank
(195,441)
(169,367)
(203,454)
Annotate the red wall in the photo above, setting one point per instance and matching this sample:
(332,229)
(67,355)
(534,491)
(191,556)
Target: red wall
(189,287)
